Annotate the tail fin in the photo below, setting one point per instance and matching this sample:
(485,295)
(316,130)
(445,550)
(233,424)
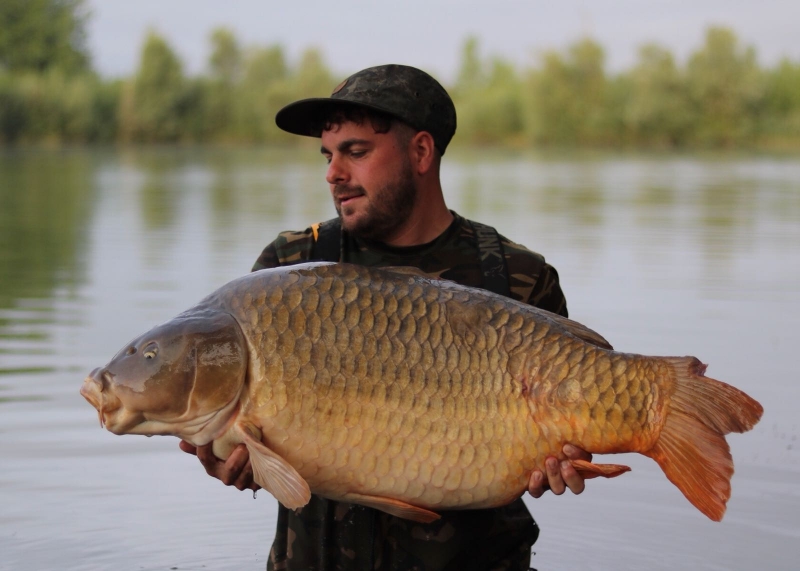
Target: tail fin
(692,449)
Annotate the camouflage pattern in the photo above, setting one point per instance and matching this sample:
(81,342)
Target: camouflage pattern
(329,535)
(452,256)
(404,92)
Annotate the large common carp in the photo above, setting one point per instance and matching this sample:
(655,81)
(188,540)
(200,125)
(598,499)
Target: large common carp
(411,395)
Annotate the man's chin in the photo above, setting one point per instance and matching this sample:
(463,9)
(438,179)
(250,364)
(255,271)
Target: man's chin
(352,226)
(357,226)
(351,218)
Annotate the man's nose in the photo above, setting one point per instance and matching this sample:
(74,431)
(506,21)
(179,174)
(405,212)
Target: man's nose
(336,173)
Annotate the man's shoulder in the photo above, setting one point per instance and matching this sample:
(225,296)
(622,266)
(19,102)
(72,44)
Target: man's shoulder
(290,247)
(520,257)
(517,255)
(530,278)
(533,279)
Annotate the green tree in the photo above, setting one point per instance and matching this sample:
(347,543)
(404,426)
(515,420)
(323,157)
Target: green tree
(13,116)
(782,101)
(225,65)
(264,89)
(567,97)
(470,72)
(501,116)
(658,109)
(726,90)
(38,35)
(225,61)
(312,78)
(156,102)
(488,96)
(269,84)
(57,108)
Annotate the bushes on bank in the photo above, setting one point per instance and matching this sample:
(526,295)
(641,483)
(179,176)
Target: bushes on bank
(719,98)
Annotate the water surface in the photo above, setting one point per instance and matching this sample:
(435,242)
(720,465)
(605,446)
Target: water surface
(664,255)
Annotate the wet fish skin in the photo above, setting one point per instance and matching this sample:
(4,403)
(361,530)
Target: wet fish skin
(413,395)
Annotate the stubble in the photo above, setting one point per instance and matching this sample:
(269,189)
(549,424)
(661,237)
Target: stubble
(387,211)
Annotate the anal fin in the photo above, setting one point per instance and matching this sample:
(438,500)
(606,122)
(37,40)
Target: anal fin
(394,507)
(276,475)
(588,470)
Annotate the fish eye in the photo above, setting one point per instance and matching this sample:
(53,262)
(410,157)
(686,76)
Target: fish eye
(150,352)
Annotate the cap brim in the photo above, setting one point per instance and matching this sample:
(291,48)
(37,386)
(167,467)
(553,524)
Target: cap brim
(305,117)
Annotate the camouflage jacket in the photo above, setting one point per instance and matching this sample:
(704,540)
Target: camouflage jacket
(326,535)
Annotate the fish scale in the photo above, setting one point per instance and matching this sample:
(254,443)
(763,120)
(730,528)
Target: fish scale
(461,372)
(414,395)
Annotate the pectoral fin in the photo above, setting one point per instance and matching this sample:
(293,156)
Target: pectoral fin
(588,470)
(276,475)
(394,507)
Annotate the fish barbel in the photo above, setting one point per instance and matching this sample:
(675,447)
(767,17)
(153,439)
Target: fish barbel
(412,395)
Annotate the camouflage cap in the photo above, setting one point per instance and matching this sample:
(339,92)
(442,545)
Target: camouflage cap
(404,92)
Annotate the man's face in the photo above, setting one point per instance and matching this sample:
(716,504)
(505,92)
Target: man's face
(371,179)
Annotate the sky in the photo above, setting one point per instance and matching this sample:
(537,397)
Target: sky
(354,34)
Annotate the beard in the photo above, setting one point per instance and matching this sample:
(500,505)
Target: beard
(386,212)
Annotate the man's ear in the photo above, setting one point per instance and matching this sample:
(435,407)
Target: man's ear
(422,151)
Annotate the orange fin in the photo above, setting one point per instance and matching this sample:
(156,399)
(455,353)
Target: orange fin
(276,475)
(691,448)
(587,470)
(393,507)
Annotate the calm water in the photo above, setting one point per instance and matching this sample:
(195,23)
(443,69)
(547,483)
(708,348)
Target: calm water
(664,255)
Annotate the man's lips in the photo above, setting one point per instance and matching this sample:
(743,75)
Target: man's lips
(346,198)
(342,195)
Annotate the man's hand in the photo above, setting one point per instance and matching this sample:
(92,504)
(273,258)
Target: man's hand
(559,476)
(235,471)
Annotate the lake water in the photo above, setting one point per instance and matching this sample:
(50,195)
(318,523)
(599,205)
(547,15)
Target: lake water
(668,255)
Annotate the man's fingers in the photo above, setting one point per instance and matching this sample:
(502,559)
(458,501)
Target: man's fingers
(575,453)
(233,470)
(238,459)
(571,478)
(557,485)
(245,479)
(188,448)
(558,476)
(537,485)
(210,462)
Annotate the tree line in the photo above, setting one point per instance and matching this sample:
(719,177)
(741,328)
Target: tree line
(719,98)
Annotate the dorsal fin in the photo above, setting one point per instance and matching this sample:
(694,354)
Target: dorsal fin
(578,330)
(409,271)
(581,331)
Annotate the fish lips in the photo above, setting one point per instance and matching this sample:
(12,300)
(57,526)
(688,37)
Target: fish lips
(110,411)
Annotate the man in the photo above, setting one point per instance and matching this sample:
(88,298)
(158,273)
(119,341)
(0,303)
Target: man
(383,133)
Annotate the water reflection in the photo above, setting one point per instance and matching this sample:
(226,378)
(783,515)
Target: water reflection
(47,207)
(46,210)
(662,253)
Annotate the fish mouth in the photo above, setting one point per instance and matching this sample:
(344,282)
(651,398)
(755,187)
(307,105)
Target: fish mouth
(93,390)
